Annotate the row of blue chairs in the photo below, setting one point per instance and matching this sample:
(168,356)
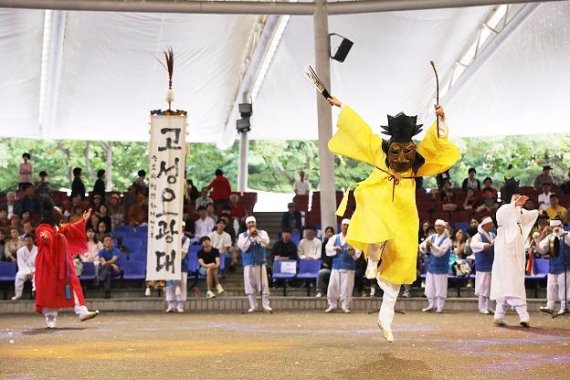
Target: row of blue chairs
(285,271)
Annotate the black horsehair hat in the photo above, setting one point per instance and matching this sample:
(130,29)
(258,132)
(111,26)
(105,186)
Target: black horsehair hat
(401,128)
(511,187)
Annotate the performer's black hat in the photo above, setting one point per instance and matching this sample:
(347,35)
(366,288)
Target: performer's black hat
(511,187)
(401,127)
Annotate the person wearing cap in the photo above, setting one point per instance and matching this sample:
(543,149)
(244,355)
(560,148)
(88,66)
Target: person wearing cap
(558,280)
(508,272)
(253,243)
(341,282)
(439,247)
(544,177)
(482,245)
(385,222)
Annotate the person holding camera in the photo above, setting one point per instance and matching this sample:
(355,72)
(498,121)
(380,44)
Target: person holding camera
(252,243)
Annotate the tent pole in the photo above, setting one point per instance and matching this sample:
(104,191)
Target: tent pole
(324,114)
(242,164)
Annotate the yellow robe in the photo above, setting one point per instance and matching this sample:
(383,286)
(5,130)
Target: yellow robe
(377,218)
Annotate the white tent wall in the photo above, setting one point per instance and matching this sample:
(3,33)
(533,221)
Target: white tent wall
(387,70)
(21,33)
(523,88)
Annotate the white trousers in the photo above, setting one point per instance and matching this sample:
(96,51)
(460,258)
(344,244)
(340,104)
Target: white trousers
(516,303)
(51,314)
(21,278)
(555,290)
(391,290)
(255,280)
(340,287)
(170,295)
(436,290)
(483,289)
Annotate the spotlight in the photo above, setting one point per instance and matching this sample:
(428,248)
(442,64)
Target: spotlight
(340,46)
(243,124)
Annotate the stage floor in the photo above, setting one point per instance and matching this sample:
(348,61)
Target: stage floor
(285,345)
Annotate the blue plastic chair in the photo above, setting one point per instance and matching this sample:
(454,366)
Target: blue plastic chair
(132,243)
(134,270)
(88,273)
(308,271)
(279,275)
(8,274)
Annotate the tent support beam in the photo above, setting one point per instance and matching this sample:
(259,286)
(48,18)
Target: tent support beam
(247,7)
(324,116)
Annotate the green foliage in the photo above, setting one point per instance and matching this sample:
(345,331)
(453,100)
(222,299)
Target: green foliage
(273,165)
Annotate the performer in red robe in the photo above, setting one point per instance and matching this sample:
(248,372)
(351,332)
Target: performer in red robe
(57,285)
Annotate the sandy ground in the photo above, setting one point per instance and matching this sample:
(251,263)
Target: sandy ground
(285,345)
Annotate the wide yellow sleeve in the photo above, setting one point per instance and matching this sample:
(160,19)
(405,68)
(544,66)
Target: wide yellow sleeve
(439,153)
(355,139)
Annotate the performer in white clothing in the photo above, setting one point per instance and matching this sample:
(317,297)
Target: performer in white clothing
(514,223)
(482,245)
(252,244)
(26,258)
(558,281)
(439,246)
(341,282)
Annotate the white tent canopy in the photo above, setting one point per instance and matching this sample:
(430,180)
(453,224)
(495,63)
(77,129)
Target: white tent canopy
(100,76)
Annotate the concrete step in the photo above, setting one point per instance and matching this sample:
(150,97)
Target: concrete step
(240,304)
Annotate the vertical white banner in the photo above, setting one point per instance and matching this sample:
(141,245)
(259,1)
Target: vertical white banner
(167,153)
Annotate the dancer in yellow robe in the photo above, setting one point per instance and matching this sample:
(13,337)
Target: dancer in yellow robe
(385,222)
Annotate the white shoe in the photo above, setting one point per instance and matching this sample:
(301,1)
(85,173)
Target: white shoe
(169,309)
(330,309)
(318,295)
(219,289)
(16,298)
(147,292)
(89,315)
(386,332)
(439,311)
(486,312)
(267,308)
(252,309)
(210,294)
(345,310)
(51,325)
(427,309)
(406,295)
(180,309)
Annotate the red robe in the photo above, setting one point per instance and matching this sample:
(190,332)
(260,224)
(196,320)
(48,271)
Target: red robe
(54,259)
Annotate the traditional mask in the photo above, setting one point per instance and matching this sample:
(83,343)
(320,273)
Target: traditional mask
(401,156)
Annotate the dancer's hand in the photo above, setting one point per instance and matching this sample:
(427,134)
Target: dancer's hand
(87,215)
(440,112)
(334,102)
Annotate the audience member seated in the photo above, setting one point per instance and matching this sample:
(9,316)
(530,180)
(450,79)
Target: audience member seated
(471,200)
(556,210)
(284,248)
(209,260)
(488,203)
(423,232)
(29,202)
(140,184)
(541,229)
(204,200)
(108,259)
(96,202)
(544,177)
(237,210)
(26,266)
(442,178)
(102,230)
(12,206)
(25,216)
(76,215)
(103,213)
(447,197)
(42,187)
(12,245)
(471,182)
(204,224)
(488,184)
(291,219)
(93,222)
(93,248)
(138,213)
(211,212)
(28,229)
(544,197)
(529,205)
(2,244)
(310,248)
(458,244)
(221,189)
(192,192)
(4,221)
(116,211)
(222,241)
